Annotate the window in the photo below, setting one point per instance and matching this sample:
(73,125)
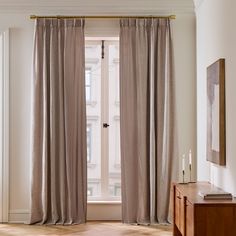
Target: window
(104,177)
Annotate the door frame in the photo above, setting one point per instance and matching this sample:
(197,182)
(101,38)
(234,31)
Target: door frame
(4,127)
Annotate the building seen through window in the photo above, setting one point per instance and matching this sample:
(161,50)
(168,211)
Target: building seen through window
(88,79)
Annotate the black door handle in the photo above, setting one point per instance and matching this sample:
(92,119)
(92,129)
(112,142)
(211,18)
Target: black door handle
(105,125)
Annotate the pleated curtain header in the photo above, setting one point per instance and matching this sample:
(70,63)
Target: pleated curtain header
(153,22)
(60,22)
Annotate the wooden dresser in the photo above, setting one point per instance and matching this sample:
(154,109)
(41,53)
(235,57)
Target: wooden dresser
(194,216)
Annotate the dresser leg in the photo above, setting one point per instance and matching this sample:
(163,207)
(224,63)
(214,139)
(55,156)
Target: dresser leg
(176,231)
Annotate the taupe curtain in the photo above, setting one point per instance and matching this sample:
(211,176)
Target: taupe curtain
(59,123)
(148,143)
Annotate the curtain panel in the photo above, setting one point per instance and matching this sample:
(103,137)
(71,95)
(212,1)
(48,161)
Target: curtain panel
(59,178)
(148,132)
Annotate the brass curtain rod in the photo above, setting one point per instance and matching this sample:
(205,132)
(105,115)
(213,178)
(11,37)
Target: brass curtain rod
(172,17)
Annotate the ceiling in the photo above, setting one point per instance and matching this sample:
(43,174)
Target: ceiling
(144,7)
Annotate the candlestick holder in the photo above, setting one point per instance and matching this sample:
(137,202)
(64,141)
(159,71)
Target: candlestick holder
(183,174)
(190,174)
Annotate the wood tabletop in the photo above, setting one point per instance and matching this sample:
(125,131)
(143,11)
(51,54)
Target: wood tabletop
(191,191)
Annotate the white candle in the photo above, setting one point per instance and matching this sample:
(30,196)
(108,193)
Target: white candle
(190,157)
(183,163)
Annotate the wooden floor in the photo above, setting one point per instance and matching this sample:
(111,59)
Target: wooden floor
(90,228)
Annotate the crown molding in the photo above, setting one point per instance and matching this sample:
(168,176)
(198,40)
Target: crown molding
(197,4)
(90,7)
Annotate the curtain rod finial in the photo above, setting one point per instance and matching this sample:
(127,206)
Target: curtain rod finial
(33,16)
(173,17)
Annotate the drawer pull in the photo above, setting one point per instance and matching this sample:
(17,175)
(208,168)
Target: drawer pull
(179,197)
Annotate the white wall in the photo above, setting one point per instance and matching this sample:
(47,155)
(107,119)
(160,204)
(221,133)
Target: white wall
(21,34)
(216,37)
(21,39)
(185,72)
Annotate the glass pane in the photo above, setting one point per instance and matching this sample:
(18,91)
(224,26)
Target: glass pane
(93,95)
(88,77)
(89,142)
(88,93)
(114,121)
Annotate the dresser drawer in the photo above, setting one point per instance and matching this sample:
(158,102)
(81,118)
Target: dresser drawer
(179,211)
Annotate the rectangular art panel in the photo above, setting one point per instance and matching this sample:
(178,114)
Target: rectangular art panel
(216,151)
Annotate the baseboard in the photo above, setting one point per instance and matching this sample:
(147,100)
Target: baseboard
(96,211)
(19,216)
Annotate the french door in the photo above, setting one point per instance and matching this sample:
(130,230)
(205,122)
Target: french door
(103,119)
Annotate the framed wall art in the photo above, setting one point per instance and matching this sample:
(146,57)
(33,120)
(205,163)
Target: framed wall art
(216,140)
